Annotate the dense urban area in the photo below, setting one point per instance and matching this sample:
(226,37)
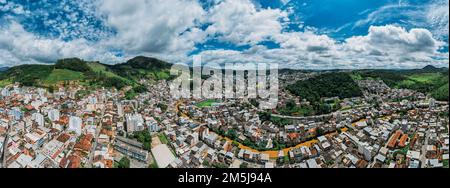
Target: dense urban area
(324,119)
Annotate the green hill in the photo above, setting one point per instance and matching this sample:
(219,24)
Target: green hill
(431,68)
(74,64)
(27,75)
(441,93)
(3,69)
(143,68)
(87,73)
(326,85)
(58,75)
(429,80)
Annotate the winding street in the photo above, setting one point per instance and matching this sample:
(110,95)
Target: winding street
(97,134)
(423,158)
(271,153)
(5,145)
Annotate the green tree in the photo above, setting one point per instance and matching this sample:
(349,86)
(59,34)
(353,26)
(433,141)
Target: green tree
(51,88)
(147,146)
(264,116)
(319,131)
(232,134)
(206,163)
(235,144)
(153,165)
(286,159)
(124,163)
(162,106)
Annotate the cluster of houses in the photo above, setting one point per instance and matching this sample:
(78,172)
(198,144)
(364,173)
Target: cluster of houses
(75,128)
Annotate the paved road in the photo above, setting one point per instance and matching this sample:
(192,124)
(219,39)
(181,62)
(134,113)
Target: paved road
(97,133)
(302,117)
(318,116)
(5,145)
(423,158)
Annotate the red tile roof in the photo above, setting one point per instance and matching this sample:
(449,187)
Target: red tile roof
(403,139)
(85,143)
(63,138)
(393,141)
(74,161)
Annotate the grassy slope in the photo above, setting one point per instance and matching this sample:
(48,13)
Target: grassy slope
(433,82)
(26,74)
(425,77)
(143,67)
(91,73)
(59,75)
(206,103)
(421,78)
(326,85)
(334,84)
(97,67)
(103,69)
(5,82)
(441,93)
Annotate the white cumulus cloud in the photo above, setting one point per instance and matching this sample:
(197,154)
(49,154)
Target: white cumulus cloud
(239,22)
(18,46)
(152,26)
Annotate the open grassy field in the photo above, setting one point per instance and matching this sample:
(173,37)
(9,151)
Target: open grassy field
(59,75)
(99,68)
(356,76)
(428,81)
(163,138)
(407,83)
(421,78)
(91,74)
(425,77)
(206,103)
(5,82)
(435,84)
(162,75)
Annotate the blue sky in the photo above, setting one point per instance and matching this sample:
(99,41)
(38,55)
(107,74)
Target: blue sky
(302,34)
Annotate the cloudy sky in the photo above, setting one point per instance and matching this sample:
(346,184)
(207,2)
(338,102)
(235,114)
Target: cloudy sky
(302,34)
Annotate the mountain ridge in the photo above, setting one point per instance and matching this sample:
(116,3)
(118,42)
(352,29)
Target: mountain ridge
(90,73)
(2,69)
(429,79)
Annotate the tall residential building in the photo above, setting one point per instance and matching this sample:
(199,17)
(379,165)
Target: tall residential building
(432,103)
(38,118)
(27,98)
(41,92)
(16,113)
(135,122)
(92,100)
(204,133)
(5,92)
(153,127)
(36,104)
(75,125)
(152,124)
(53,114)
(196,137)
(17,90)
(119,109)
